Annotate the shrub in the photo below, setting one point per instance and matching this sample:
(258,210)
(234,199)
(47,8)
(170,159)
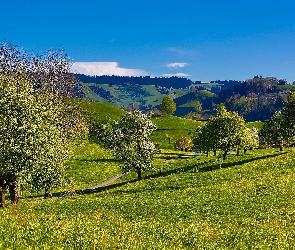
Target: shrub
(184,144)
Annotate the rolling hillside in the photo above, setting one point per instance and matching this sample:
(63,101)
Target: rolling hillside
(255,99)
(129,96)
(199,202)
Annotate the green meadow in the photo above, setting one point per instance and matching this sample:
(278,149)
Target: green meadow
(122,95)
(193,202)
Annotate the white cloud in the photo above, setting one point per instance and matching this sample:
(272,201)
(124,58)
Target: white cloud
(176,74)
(105,68)
(183,52)
(177,65)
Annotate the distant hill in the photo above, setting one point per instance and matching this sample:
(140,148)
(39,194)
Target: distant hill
(186,103)
(128,97)
(255,99)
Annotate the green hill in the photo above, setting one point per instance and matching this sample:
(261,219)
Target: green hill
(255,99)
(92,110)
(245,202)
(187,102)
(144,96)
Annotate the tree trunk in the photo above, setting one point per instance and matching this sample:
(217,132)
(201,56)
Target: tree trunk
(2,192)
(281,147)
(224,155)
(47,190)
(139,177)
(47,193)
(214,152)
(245,150)
(14,192)
(207,153)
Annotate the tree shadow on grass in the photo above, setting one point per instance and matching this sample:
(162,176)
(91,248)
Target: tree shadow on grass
(91,191)
(96,160)
(176,156)
(217,166)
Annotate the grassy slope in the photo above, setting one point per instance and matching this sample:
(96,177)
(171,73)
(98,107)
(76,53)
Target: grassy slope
(98,111)
(248,203)
(173,127)
(126,95)
(245,202)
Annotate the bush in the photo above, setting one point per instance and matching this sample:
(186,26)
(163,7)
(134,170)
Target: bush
(184,144)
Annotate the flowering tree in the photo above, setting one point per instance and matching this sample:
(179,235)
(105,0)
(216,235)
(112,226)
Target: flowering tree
(225,131)
(130,142)
(37,122)
(251,139)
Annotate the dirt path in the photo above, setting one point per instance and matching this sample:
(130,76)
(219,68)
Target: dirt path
(104,183)
(90,189)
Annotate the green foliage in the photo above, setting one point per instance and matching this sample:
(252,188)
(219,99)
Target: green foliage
(203,140)
(37,121)
(274,132)
(198,106)
(225,131)
(96,114)
(33,138)
(130,142)
(168,105)
(280,129)
(288,112)
(183,143)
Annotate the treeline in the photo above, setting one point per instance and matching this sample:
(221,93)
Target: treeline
(168,82)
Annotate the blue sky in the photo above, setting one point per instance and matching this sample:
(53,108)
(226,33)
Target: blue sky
(203,40)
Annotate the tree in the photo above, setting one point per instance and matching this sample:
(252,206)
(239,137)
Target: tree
(288,112)
(280,129)
(203,139)
(230,129)
(168,105)
(251,139)
(37,124)
(198,106)
(33,147)
(129,140)
(48,71)
(225,131)
(274,132)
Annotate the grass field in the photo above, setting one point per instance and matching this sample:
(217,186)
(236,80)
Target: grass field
(125,95)
(245,202)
